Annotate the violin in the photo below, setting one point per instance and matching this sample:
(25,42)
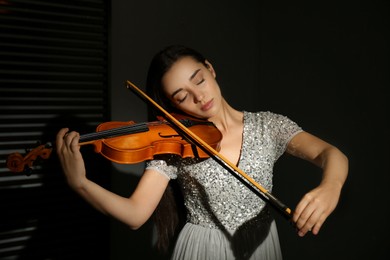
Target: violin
(130,142)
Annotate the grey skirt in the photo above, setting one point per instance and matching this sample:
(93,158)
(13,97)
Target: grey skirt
(200,243)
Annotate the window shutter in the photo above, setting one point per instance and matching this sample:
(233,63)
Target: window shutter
(53,74)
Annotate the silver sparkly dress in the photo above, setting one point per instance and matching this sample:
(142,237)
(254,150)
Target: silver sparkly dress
(225,218)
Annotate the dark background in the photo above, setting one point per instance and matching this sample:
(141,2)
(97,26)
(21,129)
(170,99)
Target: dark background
(323,64)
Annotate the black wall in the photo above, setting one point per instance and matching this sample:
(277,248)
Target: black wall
(323,64)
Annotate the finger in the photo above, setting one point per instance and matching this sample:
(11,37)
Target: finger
(304,217)
(60,138)
(68,139)
(316,228)
(74,145)
(307,218)
(300,208)
(309,221)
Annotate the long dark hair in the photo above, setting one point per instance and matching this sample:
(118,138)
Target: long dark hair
(169,215)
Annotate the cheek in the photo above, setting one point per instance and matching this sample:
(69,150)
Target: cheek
(214,89)
(182,107)
(186,108)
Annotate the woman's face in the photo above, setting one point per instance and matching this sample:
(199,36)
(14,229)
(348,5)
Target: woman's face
(192,88)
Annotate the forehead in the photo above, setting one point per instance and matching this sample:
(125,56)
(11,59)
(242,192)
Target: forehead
(181,71)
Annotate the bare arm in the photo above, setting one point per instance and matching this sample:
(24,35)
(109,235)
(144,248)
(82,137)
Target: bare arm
(133,211)
(316,205)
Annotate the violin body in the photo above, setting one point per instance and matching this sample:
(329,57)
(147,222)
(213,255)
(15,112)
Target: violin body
(160,139)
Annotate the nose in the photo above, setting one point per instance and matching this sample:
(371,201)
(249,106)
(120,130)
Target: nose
(198,96)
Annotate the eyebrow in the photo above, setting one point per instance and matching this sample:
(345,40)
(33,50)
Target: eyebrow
(194,74)
(177,91)
(191,77)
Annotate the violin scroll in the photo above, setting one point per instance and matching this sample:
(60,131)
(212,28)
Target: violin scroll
(17,163)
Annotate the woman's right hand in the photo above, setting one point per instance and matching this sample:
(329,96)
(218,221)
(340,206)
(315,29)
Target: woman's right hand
(68,151)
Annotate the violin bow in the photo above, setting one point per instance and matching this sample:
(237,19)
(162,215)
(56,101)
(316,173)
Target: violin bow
(211,151)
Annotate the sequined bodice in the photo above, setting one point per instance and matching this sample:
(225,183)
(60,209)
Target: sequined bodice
(214,197)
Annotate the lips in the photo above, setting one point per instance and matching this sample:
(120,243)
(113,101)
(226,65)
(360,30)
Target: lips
(207,106)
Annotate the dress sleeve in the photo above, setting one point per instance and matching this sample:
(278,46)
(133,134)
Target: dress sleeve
(283,130)
(164,167)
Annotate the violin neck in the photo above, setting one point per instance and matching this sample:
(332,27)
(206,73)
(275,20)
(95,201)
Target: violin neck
(109,133)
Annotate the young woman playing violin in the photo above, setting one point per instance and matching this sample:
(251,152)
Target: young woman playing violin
(224,219)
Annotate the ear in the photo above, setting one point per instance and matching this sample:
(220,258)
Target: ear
(210,68)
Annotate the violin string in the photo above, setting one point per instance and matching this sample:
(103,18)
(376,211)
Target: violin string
(130,129)
(117,131)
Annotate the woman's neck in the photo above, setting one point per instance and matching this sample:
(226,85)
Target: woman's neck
(227,118)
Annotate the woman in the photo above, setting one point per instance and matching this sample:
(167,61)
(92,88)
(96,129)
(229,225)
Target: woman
(224,218)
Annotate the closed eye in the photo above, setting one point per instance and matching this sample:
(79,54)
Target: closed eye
(182,100)
(200,82)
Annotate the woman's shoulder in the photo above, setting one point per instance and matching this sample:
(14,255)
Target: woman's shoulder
(262,114)
(269,118)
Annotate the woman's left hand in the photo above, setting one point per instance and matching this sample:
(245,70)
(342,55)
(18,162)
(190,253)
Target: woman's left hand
(314,208)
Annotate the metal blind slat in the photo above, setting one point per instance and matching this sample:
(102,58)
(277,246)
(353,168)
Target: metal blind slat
(53,73)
